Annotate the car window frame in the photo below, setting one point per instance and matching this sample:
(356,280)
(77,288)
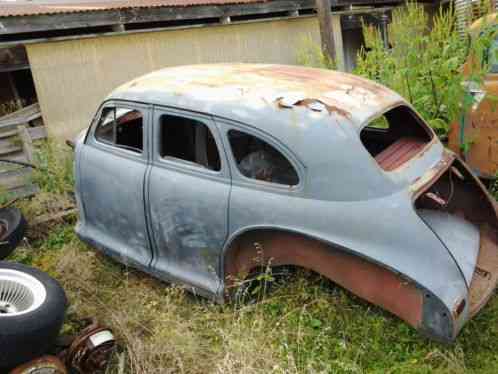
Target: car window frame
(144,109)
(240,178)
(178,164)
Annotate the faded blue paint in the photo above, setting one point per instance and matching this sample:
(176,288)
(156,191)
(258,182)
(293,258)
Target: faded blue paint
(192,215)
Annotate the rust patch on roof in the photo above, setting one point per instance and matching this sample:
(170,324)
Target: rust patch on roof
(330,108)
(244,85)
(315,105)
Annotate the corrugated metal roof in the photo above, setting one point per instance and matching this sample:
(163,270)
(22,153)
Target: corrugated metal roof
(10,8)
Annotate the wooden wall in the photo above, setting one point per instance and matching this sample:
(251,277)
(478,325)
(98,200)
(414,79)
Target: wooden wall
(72,77)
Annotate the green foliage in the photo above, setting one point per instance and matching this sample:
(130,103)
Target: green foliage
(424,64)
(54,171)
(310,54)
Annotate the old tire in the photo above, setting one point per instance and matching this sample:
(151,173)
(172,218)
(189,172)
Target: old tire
(32,307)
(12,225)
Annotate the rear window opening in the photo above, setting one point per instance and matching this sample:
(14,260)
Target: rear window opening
(395,137)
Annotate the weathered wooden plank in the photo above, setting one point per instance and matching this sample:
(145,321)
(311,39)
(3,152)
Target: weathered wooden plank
(15,178)
(27,144)
(49,217)
(8,134)
(9,149)
(24,191)
(27,112)
(64,21)
(19,156)
(38,132)
(11,124)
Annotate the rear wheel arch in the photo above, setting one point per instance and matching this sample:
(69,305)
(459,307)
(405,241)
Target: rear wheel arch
(261,247)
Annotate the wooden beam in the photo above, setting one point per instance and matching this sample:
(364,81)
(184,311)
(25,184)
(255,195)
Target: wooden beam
(64,21)
(323,9)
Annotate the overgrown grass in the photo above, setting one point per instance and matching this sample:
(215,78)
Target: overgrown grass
(306,325)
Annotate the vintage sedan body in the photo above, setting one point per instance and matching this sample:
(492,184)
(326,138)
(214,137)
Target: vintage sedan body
(199,174)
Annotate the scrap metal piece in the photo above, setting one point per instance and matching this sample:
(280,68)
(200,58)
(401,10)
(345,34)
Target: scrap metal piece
(42,365)
(91,350)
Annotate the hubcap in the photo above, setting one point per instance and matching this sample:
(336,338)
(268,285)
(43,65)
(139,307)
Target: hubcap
(20,293)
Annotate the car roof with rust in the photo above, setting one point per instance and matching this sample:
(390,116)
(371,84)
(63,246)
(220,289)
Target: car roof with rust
(314,115)
(246,92)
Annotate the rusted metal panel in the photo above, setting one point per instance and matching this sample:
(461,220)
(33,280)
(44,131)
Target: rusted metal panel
(349,96)
(399,153)
(365,279)
(475,134)
(485,276)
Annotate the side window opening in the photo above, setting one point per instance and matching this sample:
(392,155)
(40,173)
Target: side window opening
(121,127)
(188,140)
(256,159)
(395,137)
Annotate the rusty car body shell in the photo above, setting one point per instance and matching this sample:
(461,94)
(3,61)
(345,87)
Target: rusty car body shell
(347,218)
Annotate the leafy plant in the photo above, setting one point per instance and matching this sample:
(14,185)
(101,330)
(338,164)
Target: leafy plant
(310,54)
(424,64)
(54,171)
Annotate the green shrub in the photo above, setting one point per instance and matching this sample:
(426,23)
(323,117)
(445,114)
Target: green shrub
(310,54)
(424,64)
(54,172)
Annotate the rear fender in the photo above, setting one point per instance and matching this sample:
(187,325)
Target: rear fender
(373,282)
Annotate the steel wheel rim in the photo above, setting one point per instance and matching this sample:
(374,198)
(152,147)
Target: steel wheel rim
(20,293)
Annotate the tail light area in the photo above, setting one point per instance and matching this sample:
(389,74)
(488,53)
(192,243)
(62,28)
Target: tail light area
(395,137)
(463,200)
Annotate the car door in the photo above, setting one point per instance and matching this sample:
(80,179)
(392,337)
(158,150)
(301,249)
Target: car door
(112,170)
(188,192)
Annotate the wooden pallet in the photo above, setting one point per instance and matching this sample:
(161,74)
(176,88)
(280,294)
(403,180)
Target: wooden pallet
(16,145)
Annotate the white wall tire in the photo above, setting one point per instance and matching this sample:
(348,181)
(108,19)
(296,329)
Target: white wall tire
(32,308)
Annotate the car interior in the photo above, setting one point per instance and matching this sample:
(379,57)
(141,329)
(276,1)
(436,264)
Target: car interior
(395,137)
(189,140)
(257,159)
(122,127)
